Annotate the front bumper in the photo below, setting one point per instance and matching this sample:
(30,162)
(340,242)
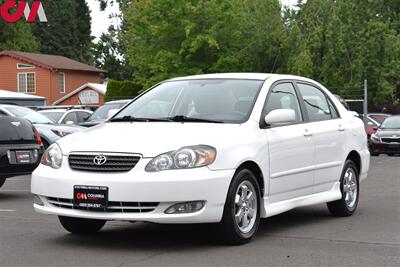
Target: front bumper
(166,188)
(384,148)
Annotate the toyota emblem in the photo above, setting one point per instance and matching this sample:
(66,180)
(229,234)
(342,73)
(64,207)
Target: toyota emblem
(100,160)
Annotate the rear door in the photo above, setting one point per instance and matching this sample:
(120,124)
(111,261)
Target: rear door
(291,147)
(329,135)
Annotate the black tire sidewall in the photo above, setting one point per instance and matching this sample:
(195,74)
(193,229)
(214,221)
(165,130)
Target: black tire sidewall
(229,221)
(349,164)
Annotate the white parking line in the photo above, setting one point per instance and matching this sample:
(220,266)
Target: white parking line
(1,210)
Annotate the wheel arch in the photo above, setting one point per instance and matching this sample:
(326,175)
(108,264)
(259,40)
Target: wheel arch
(356,158)
(253,166)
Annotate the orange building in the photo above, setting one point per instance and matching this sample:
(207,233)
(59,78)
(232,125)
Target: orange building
(52,77)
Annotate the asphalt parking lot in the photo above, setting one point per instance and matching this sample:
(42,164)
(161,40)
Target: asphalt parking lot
(302,237)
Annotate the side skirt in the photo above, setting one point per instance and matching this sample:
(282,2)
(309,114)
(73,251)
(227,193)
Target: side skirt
(269,210)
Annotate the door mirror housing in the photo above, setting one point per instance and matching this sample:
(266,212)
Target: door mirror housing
(280,116)
(69,123)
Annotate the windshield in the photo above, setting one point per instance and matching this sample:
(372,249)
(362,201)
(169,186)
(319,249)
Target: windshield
(29,114)
(219,100)
(391,123)
(54,116)
(102,112)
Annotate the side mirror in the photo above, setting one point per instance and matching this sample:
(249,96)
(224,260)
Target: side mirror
(280,116)
(111,113)
(69,123)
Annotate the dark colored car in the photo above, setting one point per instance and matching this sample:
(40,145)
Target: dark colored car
(104,112)
(49,131)
(386,140)
(20,147)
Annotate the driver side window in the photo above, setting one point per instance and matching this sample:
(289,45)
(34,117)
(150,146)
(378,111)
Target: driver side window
(283,96)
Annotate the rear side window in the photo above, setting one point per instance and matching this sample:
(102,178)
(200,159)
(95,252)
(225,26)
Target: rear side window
(317,105)
(71,117)
(283,96)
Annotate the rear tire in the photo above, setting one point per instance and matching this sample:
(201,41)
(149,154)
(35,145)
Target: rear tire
(81,226)
(349,186)
(241,216)
(2,181)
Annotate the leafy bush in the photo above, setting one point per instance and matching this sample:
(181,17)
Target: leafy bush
(122,90)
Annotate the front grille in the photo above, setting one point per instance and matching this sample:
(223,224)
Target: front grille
(113,206)
(391,140)
(114,163)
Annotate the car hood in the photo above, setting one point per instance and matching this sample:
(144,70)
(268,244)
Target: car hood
(59,127)
(388,133)
(151,139)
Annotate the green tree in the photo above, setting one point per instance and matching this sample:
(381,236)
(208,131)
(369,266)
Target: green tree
(172,38)
(18,37)
(67,31)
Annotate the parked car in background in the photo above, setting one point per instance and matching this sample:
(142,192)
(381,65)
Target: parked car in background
(222,148)
(386,140)
(378,117)
(104,112)
(20,147)
(67,116)
(371,126)
(48,130)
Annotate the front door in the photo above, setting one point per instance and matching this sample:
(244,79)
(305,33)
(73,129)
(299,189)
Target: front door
(291,148)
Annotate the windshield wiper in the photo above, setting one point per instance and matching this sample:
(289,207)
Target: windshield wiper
(181,118)
(133,119)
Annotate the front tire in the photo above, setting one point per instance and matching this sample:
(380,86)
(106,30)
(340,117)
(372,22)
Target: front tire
(241,216)
(81,226)
(349,186)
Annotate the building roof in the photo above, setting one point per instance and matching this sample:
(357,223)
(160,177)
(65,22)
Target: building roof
(50,61)
(4,94)
(100,88)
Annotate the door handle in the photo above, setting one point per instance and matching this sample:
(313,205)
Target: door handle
(341,128)
(307,133)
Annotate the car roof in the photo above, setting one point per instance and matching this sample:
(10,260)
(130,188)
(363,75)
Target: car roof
(63,110)
(118,101)
(53,110)
(240,75)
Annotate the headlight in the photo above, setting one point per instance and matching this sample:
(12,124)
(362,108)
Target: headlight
(184,158)
(60,133)
(375,138)
(52,157)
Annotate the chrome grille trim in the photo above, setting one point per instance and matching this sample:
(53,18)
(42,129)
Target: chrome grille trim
(115,162)
(113,206)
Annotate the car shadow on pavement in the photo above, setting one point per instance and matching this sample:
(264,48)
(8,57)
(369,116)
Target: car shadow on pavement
(5,196)
(156,237)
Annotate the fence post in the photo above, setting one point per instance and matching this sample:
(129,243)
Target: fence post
(366,103)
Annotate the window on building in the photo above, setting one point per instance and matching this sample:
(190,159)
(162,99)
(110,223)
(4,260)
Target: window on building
(61,84)
(25,66)
(27,82)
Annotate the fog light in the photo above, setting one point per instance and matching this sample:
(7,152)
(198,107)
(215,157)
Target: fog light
(186,207)
(37,200)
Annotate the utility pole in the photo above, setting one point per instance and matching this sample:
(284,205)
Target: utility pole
(366,103)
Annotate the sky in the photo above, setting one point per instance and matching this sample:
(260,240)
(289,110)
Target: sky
(101,21)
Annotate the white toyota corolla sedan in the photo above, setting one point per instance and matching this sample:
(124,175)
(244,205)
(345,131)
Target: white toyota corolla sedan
(219,148)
